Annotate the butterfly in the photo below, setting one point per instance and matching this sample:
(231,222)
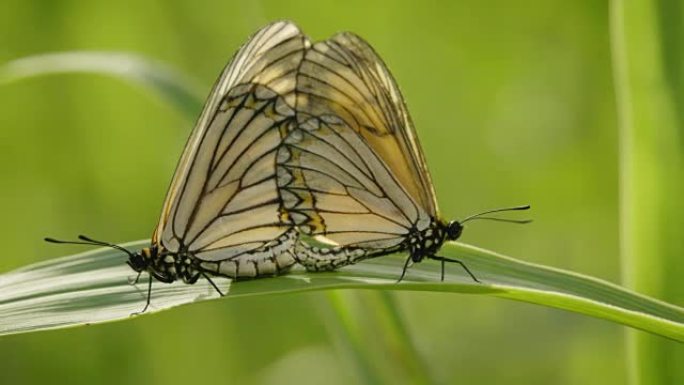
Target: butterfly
(223,214)
(353,177)
(303,153)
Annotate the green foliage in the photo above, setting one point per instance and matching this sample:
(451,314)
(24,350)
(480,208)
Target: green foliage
(513,102)
(648,66)
(167,83)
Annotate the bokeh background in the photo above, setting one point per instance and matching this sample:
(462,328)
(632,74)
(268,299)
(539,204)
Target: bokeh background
(513,102)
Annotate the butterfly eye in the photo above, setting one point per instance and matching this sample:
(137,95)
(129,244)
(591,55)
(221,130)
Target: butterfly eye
(137,262)
(454,230)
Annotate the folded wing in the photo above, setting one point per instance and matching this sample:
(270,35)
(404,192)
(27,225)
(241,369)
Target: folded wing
(223,203)
(343,76)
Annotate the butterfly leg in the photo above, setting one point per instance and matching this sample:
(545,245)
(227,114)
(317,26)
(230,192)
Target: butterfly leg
(406,266)
(443,260)
(149,296)
(213,284)
(443,263)
(159,277)
(135,281)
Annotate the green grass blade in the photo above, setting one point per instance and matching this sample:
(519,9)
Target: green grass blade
(94,287)
(647,62)
(172,86)
(340,321)
(372,333)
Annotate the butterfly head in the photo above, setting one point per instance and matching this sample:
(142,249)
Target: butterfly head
(453,230)
(140,261)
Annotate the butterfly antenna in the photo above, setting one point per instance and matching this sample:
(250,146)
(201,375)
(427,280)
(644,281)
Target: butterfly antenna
(514,208)
(506,220)
(89,241)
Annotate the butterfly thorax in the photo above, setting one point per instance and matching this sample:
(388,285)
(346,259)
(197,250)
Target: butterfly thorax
(166,266)
(426,242)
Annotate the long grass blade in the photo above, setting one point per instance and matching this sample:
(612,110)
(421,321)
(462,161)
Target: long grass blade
(94,287)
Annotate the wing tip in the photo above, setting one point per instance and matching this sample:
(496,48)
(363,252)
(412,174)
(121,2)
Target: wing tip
(282,24)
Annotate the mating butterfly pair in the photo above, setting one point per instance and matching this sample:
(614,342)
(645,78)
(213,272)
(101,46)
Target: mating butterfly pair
(304,153)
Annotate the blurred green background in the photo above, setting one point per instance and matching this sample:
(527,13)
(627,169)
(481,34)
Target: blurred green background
(513,102)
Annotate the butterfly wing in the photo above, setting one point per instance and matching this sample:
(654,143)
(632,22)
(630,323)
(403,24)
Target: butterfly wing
(223,204)
(353,176)
(344,76)
(344,199)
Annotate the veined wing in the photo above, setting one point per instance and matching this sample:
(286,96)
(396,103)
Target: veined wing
(223,200)
(341,194)
(247,65)
(343,76)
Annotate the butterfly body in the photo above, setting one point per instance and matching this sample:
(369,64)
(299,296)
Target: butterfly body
(164,266)
(168,266)
(427,242)
(418,243)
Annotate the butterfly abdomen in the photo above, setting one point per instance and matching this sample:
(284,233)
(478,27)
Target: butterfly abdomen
(273,259)
(316,258)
